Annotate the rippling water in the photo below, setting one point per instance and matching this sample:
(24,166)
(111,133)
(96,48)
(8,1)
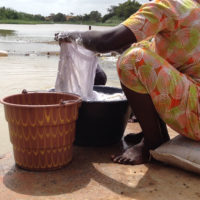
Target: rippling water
(29,67)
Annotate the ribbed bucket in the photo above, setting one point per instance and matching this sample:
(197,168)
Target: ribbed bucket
(42,128)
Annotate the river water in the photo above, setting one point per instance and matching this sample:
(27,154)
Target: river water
(33,61)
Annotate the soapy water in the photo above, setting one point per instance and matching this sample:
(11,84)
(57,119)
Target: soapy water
(76,71)
(99,96)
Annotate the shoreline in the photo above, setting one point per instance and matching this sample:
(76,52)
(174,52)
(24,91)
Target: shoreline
(24,22)
(57,53)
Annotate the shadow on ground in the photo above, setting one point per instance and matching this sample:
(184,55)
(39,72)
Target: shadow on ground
(92,173)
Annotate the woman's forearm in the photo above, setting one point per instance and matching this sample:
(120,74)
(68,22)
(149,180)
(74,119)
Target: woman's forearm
(115,39)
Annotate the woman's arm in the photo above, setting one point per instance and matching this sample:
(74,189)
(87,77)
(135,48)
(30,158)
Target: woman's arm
(115,39)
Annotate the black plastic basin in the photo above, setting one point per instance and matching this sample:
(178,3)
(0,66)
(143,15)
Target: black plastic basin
(102,122)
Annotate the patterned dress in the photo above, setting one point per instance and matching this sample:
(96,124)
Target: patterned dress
(168,67)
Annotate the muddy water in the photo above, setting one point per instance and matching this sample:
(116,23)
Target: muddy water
(29,67)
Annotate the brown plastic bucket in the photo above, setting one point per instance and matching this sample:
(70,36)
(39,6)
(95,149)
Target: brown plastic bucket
(42,128)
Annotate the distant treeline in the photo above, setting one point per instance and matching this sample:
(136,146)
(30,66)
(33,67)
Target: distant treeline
(7,13)
(115,14)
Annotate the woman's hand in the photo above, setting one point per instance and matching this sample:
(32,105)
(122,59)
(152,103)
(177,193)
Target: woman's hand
(70,36)
(56,38)
(61,37)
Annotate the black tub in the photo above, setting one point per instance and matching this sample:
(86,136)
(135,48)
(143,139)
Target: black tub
(102,122)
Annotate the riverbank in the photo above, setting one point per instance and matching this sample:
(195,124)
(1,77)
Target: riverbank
(12,21)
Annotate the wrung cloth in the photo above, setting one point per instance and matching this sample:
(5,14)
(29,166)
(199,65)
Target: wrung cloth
(76,71)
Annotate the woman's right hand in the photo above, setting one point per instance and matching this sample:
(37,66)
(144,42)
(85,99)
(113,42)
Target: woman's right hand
(70,36)
(62,37)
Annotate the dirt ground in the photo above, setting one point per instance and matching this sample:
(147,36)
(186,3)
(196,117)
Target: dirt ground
(92,176)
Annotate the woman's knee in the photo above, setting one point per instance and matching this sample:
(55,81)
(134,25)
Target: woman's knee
(131,68)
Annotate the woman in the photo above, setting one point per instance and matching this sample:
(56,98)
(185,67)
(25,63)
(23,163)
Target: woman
(160,78)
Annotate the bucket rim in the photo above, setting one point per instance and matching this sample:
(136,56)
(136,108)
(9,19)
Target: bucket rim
(76,101)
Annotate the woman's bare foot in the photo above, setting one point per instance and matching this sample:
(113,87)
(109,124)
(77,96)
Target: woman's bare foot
(134,155)
(134,138)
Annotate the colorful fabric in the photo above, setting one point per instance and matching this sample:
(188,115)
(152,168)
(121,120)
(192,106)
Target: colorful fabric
(167,68)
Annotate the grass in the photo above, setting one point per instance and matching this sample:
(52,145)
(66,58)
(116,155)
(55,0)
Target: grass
(16,21)
(12,21)
(91,23)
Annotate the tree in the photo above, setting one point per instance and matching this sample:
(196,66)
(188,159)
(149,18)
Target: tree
(39,17)
(115,14)
(7,13)
(107,16)
(86,17)
(126,9)
(122,11)
(95,16)
(59,17)
(112,9)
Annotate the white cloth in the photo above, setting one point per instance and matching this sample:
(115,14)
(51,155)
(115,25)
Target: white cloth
(76,71)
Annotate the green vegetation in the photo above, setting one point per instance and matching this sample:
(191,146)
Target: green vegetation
(18,21)
(7,13)
(122,11)
(115,15)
